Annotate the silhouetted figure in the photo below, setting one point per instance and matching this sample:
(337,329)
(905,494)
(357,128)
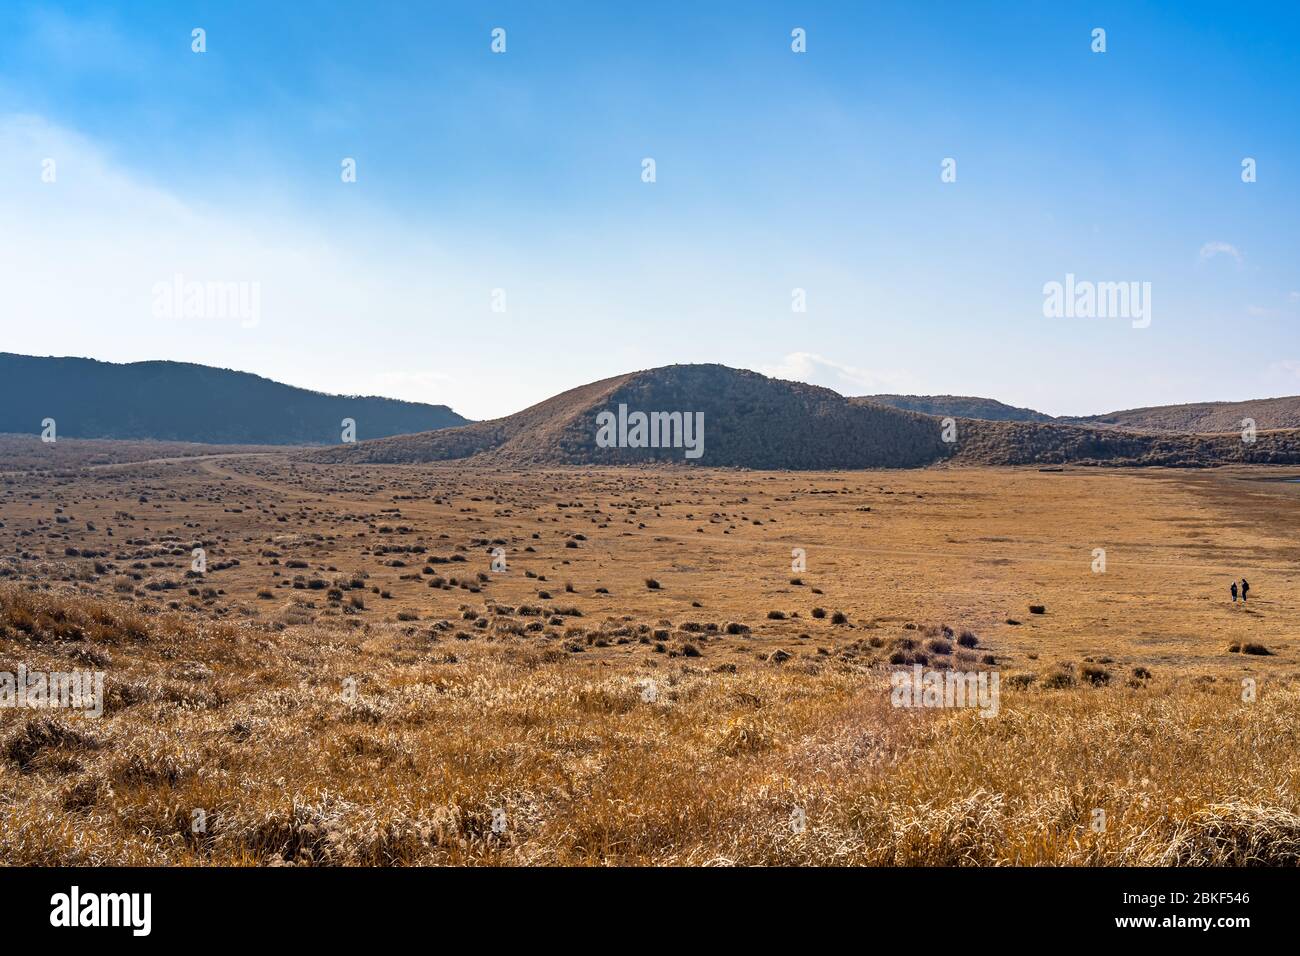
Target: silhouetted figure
(1245,586)
(1234,592)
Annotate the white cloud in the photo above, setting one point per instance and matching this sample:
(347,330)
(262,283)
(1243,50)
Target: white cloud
(1212,249)
(80,256)
(846,379)
(355,297)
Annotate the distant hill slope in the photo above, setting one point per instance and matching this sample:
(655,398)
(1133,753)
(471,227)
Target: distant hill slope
(1036,443)
(1203,417)
(958,406)
(176,401)
(752,421)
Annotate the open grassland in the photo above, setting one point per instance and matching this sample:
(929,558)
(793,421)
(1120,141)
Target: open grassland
(28,454)
(648,680)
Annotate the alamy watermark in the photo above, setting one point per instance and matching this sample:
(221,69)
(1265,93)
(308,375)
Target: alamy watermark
(1083,299)
(130,910)
(53,690)
(920,687)
(653,430)
(180,299)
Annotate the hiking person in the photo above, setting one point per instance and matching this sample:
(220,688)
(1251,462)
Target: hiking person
(1245,586)
(1234,592)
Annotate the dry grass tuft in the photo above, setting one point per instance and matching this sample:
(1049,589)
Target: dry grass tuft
(420,763)
(320,698)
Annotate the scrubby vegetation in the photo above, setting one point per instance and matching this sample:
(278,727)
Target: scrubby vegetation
(753,421)
(323,744)
(354,679)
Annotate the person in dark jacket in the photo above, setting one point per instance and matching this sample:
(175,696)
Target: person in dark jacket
(1233,589)
(1245,586)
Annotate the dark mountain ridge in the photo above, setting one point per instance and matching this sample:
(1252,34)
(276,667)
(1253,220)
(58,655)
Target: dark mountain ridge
(179,401)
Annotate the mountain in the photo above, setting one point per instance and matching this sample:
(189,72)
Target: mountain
(1203,417)
(958,406)
(177,401)
(752,421)
(1197,418)
(1200,418)
(748,419)
(1037,443)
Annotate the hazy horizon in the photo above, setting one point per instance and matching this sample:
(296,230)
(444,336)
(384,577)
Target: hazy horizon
(564,388)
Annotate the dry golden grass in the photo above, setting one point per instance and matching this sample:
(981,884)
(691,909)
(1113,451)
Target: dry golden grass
(259,732)
(311,731)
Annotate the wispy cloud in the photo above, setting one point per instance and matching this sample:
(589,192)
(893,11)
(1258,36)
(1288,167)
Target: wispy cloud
(1287,368)
(1212,249)
(80,275)
(84,44)
(847,379)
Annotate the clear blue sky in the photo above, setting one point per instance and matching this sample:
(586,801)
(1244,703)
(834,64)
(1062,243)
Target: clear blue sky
(775,171)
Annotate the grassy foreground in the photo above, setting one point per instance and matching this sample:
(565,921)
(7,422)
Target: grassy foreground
(332,742)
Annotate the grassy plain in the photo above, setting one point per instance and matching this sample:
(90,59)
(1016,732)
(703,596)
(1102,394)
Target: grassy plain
(648,681)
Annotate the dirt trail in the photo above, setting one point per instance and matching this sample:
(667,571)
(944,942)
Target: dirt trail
(209,464)
(170,460)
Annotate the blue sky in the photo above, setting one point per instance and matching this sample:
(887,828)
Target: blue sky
(775,170)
